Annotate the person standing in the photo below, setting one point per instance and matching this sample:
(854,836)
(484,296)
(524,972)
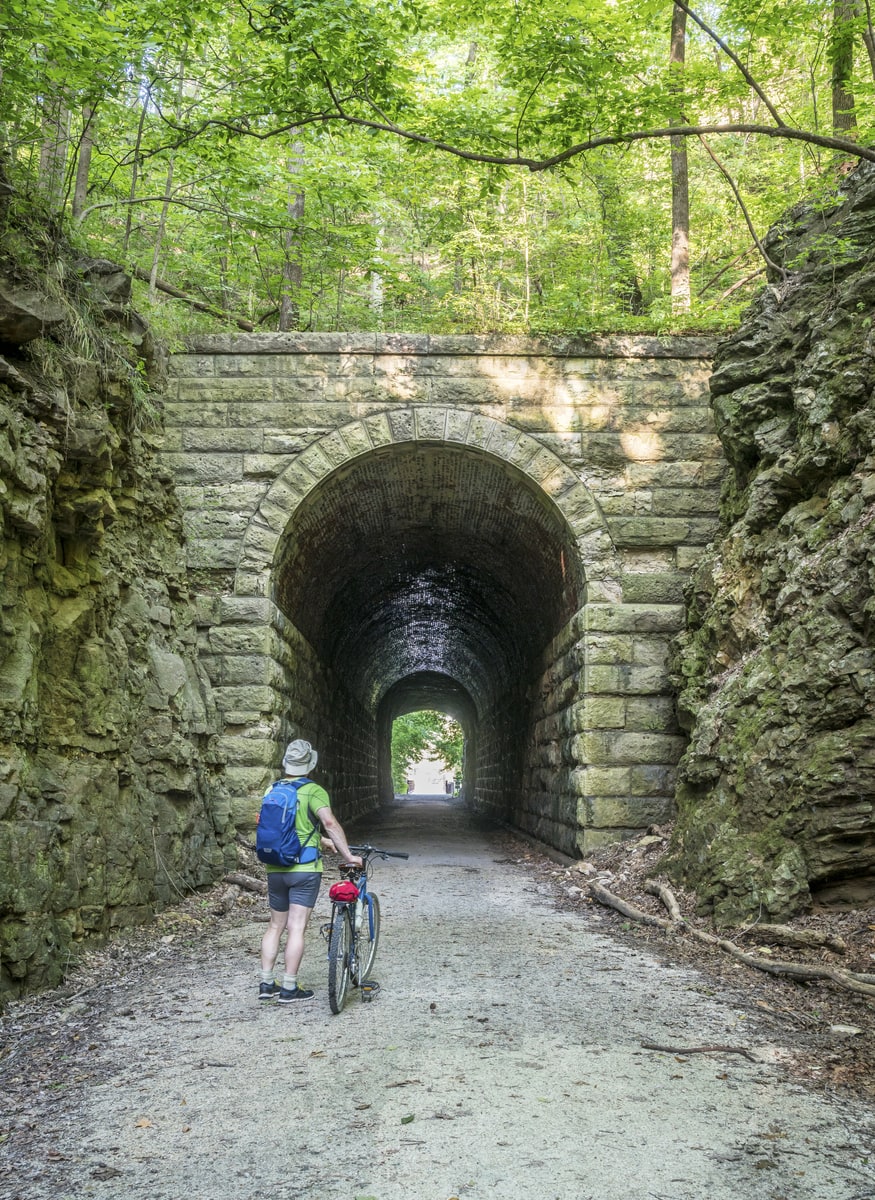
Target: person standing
(292,891)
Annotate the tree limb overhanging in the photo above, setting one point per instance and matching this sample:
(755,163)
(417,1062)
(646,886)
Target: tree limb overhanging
(241,127)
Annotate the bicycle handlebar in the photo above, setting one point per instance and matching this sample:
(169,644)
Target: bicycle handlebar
(372,851)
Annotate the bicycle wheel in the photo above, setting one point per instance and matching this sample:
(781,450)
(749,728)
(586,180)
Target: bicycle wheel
(339,947)
(366,943)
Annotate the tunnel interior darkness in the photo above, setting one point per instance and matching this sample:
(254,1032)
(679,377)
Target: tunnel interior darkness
(429,576)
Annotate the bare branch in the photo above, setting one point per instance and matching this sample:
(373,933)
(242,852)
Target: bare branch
(195,206)
(770,262)
(200,305)
(850,980)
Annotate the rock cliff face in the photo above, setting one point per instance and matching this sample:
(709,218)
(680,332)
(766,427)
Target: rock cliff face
(777,688)
(109,804)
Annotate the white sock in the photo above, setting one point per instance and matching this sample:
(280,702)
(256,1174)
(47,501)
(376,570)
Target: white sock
(290,982)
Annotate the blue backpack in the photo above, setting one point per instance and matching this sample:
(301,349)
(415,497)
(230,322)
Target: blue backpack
(276,840)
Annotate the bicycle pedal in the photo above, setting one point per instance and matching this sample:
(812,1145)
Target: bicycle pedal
(369,988)
(325,930)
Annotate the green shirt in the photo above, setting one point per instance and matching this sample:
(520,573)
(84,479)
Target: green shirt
(311,798)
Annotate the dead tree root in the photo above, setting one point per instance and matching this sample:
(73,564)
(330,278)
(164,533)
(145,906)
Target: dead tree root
(803,972)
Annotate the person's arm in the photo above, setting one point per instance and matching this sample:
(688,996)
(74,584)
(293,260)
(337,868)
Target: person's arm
(334,831)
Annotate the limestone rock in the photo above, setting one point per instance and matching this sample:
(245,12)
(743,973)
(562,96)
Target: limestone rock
(26,314)
(107,721)
(776,668)
(108,280)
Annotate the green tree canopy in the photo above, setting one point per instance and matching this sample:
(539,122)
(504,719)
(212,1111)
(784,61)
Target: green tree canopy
(425,735)
(452,168)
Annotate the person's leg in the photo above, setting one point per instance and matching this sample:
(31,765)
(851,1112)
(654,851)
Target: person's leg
(296,925)
(270,943)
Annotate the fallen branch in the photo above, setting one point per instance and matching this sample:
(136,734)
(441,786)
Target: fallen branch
(628,910)
(200,305)
(784,935)
(848,980)
(667,897)
(246,881)
(700,1050)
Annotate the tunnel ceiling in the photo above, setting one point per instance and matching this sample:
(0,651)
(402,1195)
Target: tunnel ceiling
(427,559)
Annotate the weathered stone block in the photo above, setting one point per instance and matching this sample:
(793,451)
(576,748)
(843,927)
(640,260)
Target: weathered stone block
(182,366)
(607,648)
(653,781)
(599,712)
(213,555)
(682,502)
(247,751)
(612,812)
(204,468)
(689,557)
(652,588)
(605,781)
(214,524)
(242,639)
(242,610)
(627,681)
(634,618)
(255,697)
(202,393)
(654,714)
(650,531)
(591,839)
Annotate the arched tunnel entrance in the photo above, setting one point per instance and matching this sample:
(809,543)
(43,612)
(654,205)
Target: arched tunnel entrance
(424,576)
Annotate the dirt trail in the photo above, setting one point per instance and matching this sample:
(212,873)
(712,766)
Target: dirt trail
(502,1058)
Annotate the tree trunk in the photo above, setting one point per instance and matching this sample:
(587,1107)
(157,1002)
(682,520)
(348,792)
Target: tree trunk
(844,120)
(135,170)
(159,236)
(53,152)
(293,265)
(864,10)
(377,290)
(680,187)
(83,166)
(165,207)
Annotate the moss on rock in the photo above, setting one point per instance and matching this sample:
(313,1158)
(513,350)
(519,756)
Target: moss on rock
(776,668)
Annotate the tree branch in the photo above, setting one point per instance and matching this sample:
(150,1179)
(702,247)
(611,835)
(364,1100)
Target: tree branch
(844,145)
(200,305)
(195,206)
(850,980)
(749,79)
(770,262)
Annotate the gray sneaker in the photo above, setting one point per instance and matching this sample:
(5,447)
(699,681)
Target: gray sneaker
(267,991)
(290,995)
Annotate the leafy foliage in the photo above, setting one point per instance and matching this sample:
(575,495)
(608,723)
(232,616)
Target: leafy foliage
(425,735)
(194,129)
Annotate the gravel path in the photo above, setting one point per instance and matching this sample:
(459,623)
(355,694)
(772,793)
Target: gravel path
(502,1058)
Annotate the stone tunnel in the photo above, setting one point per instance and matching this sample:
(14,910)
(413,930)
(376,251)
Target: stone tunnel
(495,528)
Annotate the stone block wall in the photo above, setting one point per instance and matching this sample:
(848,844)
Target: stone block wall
(616,432)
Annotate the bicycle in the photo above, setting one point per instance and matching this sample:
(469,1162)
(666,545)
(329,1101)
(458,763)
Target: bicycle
(354,929)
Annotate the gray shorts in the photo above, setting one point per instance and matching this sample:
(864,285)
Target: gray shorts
(292,887)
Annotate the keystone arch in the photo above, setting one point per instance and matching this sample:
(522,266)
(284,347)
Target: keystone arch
(428,557)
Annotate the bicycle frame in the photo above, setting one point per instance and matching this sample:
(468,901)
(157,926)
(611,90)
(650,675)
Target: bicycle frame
(352,946)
